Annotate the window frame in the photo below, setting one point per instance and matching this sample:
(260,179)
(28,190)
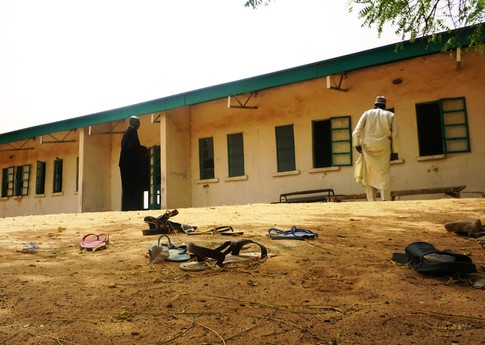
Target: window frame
(336,142)
(155,178)
(447,137)
(235,157)
(40,178)
(451,120)
(8,181)
(285,146)
(22,180)
(206,158)
(57,176)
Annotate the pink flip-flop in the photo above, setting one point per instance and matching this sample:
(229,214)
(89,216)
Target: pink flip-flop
(94,242)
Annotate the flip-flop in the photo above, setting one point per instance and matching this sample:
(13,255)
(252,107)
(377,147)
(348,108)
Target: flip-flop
(293,234)
(94,242)
(167,251)
(425,258)
(158,253)
(227,253)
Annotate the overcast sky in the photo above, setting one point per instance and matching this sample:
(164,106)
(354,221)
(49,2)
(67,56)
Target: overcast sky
(61,59)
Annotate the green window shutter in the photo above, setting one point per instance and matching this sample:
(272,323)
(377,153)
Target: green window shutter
(4,182)
(22,180)
(57,183)
(206,158)
(455,125)
(77,174)
(18,181)
(8,181)
(235,152)
(285,148)
(40,178)
(341,134)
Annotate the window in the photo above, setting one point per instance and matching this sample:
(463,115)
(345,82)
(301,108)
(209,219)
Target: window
(442,127)
(235,152)
(8,180)
(285,148)
(22,180)
(206,158)
(57,183)
(15,181)
(332,142)
(40,178)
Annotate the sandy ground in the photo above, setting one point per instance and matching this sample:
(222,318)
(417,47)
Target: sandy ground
(342,288)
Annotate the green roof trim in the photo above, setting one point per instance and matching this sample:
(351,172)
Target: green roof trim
(364,59)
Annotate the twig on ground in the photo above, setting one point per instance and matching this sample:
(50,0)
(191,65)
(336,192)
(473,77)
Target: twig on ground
(12,336)
(280,308)
(304,330)
(250,328)
(207,327)
(179,334)
(478,318)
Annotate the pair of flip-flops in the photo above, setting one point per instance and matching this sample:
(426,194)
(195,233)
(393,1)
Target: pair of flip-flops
(167,251)
(162,225)
(293,234)
(229,252)
(425,258)
(94,242)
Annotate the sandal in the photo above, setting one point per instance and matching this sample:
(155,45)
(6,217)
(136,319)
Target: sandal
(225,230)
(425,258)
(158,225)
(162,225)
(293,234)
(94,242)
(167,251)
(181,227)
(227,253)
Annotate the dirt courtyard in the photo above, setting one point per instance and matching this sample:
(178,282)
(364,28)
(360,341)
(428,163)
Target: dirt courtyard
(342,288)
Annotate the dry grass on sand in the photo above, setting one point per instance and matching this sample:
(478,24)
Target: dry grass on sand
(342,288)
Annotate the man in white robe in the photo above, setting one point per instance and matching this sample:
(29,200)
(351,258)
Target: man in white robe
(375,138)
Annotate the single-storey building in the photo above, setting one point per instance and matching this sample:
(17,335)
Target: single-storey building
(250,140)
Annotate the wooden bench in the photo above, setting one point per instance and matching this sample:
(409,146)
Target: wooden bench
(314,195)
(343,197)
(453,191)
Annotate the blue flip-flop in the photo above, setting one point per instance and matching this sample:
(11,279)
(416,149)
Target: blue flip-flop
(293,234)
(168,251)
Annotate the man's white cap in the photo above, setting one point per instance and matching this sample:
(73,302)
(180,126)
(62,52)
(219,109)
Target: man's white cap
(381,100)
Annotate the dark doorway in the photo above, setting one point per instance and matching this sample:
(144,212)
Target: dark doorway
(322,144)
(430,137)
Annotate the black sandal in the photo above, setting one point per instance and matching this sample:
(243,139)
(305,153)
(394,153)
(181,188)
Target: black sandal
(227,253)
(159,225)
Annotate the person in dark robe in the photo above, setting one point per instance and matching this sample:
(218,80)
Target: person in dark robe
(132,157)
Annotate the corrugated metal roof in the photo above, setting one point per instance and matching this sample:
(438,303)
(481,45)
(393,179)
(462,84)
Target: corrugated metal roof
(368,58)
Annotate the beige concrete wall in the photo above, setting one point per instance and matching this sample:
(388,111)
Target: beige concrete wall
(95,171)
(175,154)
(423,80)
(32,204)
